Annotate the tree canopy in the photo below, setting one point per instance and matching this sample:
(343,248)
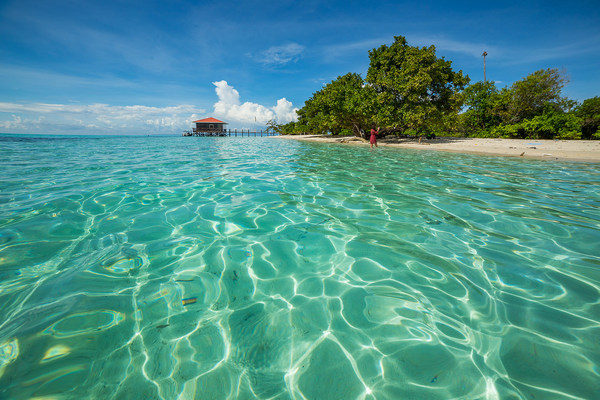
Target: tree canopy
(531,95)
(481,99)
(414,87)
(532,107)
(406,88)
(411,90)
(589,112)
(344,104)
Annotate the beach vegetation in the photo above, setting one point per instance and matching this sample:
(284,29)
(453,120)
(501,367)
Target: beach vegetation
(531,108)
(415,89)
(484,106)
(343,105)
(410,91)
(589,112)
(272,126)
(534,94)
(290,128)
(551,124)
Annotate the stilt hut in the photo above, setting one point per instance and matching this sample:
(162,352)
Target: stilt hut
(209,126)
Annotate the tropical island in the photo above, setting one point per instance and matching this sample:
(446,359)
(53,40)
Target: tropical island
(410,92)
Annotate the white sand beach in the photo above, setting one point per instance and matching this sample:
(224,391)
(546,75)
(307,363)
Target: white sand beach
(576,150)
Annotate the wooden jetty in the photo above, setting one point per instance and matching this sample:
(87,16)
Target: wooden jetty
(214,127)
(232,132)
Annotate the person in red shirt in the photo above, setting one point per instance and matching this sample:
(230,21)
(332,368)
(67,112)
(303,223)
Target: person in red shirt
(374,133)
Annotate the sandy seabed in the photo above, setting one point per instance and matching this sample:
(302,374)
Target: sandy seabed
(575,150)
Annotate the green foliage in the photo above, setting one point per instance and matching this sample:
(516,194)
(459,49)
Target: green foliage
(409,90)
(294,128)
(291,128)
(272,126)
(530,96)
(552,124)
(505,131)
(288,129)
(345,104)
(415,89)
(483,102)
(589,112)
(532,108)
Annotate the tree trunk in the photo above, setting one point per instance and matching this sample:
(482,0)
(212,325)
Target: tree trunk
(357,131)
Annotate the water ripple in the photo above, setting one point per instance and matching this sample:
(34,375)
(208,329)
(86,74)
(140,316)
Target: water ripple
(165,268)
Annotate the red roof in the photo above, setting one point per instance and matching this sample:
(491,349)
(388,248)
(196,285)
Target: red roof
(210,120)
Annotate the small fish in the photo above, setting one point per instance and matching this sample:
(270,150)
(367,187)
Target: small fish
(162,326)
(189,300)
(434,380)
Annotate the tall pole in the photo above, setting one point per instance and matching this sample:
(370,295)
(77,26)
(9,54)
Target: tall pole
(484,54)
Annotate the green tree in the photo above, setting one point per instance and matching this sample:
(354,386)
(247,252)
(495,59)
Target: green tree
(315,114)
(344,104)
(529,96)
(589,112)
(483,102)
(532,107)
(551,124)
(273,126)
(290,128)
(414,87)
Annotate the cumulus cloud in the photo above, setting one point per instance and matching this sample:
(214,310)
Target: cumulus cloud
(52,118)
(230,108)
(281,55)
(15,122)
(95,118)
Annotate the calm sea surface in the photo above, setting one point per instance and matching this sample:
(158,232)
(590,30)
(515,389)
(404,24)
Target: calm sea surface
(215,268)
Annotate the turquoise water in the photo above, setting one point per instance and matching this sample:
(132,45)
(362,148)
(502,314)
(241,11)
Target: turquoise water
(214,268)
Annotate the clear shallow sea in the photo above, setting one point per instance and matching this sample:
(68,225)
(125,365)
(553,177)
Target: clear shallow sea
(213,268)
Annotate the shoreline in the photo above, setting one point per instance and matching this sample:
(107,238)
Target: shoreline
(543,149)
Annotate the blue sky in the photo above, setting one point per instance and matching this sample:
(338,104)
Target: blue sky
(152,67)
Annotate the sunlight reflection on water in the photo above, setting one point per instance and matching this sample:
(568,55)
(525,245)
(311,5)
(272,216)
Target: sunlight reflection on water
(164,268)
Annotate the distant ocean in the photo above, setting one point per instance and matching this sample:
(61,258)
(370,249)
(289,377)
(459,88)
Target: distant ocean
(258,268)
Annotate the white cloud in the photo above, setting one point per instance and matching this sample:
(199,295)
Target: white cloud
(454,46)
(332,53)
(441,44)
(11,124)
(95,118)
(519,56)
(280,55)
(230,108)
(52,118)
